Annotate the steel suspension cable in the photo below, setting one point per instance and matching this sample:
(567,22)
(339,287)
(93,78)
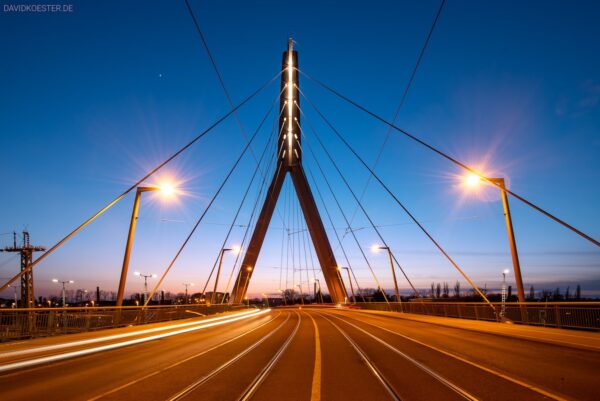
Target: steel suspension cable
(455,161)
(159,283)
(248,226)
(410,215)
(221,81)
(237,213)
(316,185)
(362,208)
(132,187)
(345,218)
(401,104)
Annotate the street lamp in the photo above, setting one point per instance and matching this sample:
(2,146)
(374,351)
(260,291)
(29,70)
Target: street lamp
(376,248)
(350,281)
(167,190)
(64,296)
(235,250)
(186,291)
(266,299)
(503,308)
(473,180)
(145,277)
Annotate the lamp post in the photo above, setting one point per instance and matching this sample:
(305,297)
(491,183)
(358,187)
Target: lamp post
(376,248)
(186,291)
(64,295)
(474,180)
(235,250)
(351,286)
(167,190)
(266,299)
(145,277)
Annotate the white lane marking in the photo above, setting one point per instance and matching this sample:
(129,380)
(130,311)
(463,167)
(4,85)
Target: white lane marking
(249,392)
(186,391)
(491,371)
(116,336)
(418,364)
(206,351)
(73,354)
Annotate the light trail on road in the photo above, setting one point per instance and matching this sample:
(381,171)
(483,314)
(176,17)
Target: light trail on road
(282,353)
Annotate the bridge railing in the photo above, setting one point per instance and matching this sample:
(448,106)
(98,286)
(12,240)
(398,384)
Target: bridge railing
(20,323)
(576,315)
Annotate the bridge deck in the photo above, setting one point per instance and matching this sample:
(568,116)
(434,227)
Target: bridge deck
(278,355)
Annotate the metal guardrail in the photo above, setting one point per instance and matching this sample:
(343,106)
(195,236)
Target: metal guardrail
(576,315)
(43,322)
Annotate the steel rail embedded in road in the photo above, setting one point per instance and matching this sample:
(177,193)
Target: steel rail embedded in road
(384,382)
(199,354)
(493,372)
(249,392)
(190,388)
(418,364)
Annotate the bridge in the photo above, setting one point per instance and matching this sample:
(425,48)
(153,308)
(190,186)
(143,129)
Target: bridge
(321,333)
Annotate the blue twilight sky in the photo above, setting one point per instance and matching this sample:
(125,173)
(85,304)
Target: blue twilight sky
(91,100)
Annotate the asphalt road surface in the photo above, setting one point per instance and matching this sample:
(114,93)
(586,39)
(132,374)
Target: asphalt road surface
(303,354)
